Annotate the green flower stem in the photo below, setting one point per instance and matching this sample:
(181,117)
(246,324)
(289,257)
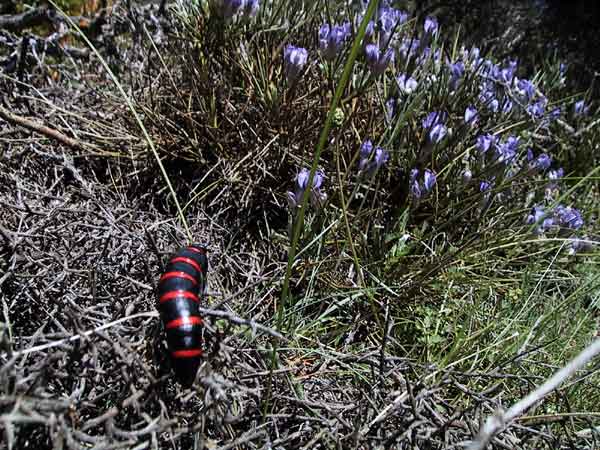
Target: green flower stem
(321,145)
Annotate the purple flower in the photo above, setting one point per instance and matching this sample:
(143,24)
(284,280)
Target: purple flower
(537,213)
(317,197)
(366,149)
(529,155)
(562,69)
(507,150)
(378,155)
(418,189)
(295,59)
(467,175)
(488,98)
(390,110)
(372,54)
(377,60)
(457,71)
(433,118)
(580,109)
(414,173)
(471,115)
(228,8)
(526,90)
(568,217)
(407,85)
(547,223)
(555,113)
(507,106)
(409,48)
(507,74)
(471,57)
(554,175)
(429,180)
(484,186)
(485,142)
(318,179)
(332,39)
(579,245)
(537,110)
(302,179)
(490,70)
(430,26)
(389,20)
(538,216)
(437,133)
(542,162)
(381,157)
(250,7)
(494,104)
(415,189)
(576,245)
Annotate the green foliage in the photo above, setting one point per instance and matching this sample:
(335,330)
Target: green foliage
(454,273)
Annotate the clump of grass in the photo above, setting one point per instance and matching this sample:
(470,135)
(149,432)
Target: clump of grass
(454,191)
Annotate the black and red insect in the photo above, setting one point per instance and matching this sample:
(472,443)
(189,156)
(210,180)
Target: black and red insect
(180,290)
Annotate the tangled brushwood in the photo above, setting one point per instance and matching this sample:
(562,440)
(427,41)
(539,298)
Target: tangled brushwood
(389,282)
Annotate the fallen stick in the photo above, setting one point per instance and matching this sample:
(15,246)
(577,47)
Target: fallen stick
(44,15)
(501,419)
(17,22)
(43,129)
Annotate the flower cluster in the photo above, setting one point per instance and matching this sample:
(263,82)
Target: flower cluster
(377,59)
(406,84)
(471,115)
(317,196)
(372,158)
(564,218)
(229,8)
(294,60)
(332,39)
(430,26)
(580,108)
(553,176)
(420,186)
(492,150)
(541,162)
(435,127)
(457,71)
(477,94)
(380,38)
(389,20)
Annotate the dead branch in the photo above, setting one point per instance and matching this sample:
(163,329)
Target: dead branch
(501,419)
(28,19)
(43,129)
(241,321)
(45,16)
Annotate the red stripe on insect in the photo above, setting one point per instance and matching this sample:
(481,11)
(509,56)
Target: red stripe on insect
(190,320)
(172,295)
(184,275)
(196,250)
(189,261)
(187,353)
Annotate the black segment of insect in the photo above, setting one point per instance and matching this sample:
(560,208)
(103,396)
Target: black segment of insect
(180,289)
